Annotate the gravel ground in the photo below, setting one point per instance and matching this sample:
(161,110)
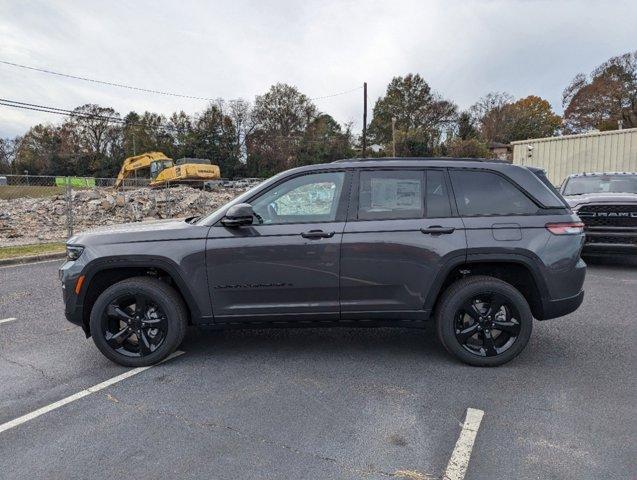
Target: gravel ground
(319,403)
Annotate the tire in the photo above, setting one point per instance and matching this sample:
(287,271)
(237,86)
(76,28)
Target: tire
(167,320)
(470,333)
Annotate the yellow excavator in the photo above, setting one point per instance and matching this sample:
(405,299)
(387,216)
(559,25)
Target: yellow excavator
(189,171)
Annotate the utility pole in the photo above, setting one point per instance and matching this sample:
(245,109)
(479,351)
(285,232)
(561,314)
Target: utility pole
(393,134)
(364,119)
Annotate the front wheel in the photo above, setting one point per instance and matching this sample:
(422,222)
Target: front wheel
(138,322)
(483,321)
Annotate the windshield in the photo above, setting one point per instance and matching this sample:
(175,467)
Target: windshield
(601,184)
(159,165)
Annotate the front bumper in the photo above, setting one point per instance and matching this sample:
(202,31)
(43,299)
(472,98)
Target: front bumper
(68,275)
(611,240)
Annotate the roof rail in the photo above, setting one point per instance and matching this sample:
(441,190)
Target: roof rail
(444,159)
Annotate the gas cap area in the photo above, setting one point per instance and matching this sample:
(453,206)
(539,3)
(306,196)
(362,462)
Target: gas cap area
(506,232)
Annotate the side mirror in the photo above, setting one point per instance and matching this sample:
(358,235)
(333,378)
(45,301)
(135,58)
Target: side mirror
(237,215)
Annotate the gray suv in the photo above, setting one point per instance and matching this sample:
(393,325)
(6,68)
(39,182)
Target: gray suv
(482,247)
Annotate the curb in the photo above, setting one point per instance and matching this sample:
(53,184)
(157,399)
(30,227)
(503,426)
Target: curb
(31,259)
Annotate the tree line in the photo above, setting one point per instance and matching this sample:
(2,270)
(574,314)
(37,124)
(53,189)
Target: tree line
(283,128)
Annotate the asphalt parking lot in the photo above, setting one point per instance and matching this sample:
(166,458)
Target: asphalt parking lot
(319,403)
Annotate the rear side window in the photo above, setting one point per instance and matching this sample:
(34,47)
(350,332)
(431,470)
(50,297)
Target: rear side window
(485,193)
(390,194)
(437,202)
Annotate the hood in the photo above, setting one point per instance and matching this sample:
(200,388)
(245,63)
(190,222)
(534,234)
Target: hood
(612,198)
(139,232)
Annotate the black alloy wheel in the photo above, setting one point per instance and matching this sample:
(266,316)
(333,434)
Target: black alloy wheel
(483,321)
(487,325)
(134,326)
(138,321)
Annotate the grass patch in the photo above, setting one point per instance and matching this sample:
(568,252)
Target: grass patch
(35,249)
(9,192)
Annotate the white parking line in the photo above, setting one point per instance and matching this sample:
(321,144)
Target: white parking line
(459,461)
(76,396)
(7,320)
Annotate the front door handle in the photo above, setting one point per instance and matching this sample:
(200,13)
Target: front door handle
(437,230)
(317,234)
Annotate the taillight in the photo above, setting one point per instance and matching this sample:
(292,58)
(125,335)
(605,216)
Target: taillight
(566,228)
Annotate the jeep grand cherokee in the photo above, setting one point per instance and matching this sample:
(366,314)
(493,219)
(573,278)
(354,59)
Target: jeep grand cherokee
(481,247)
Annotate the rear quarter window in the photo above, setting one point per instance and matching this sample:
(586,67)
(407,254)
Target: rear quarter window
(481,193)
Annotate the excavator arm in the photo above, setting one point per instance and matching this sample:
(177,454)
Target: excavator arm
(132,164)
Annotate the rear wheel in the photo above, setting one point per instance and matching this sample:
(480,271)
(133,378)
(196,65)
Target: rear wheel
(138,321)
(483,321)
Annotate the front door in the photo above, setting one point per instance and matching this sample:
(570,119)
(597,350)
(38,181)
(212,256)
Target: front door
(285,266)
(401,230)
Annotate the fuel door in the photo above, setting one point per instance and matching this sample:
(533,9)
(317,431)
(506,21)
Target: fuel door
(506,232)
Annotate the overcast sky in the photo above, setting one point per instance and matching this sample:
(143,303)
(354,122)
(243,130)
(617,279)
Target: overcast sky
(464,49)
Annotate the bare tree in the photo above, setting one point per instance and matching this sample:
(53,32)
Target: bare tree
(8,150)
(94,127)
(244,122)
(490,113)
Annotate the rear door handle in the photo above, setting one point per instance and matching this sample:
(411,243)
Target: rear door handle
(317,234)
(437,230)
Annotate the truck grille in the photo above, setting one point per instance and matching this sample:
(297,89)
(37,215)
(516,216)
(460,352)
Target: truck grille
(606,239)
(608,215)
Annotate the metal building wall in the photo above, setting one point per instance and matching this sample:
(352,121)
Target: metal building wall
(614,151)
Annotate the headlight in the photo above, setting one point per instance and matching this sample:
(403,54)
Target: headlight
(73,252)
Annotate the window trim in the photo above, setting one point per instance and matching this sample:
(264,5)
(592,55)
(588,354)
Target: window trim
(540,210)
(450,196)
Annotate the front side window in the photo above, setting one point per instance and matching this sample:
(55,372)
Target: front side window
(390,194)
(304,199)
(485,193)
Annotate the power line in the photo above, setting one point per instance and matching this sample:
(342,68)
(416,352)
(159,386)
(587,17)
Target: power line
(141,89)
(61,111)
(72,113)
(337,94)
(104,82)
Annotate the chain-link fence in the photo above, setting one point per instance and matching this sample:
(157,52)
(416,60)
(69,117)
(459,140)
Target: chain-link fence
(36,209)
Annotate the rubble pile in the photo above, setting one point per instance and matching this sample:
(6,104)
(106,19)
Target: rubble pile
(26,220)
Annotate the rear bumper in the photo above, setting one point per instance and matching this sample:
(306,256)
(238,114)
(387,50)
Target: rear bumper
(560,307)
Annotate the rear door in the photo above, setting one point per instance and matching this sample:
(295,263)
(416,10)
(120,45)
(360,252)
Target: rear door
(401,229)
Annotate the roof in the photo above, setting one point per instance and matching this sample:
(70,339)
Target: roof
(625,131)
